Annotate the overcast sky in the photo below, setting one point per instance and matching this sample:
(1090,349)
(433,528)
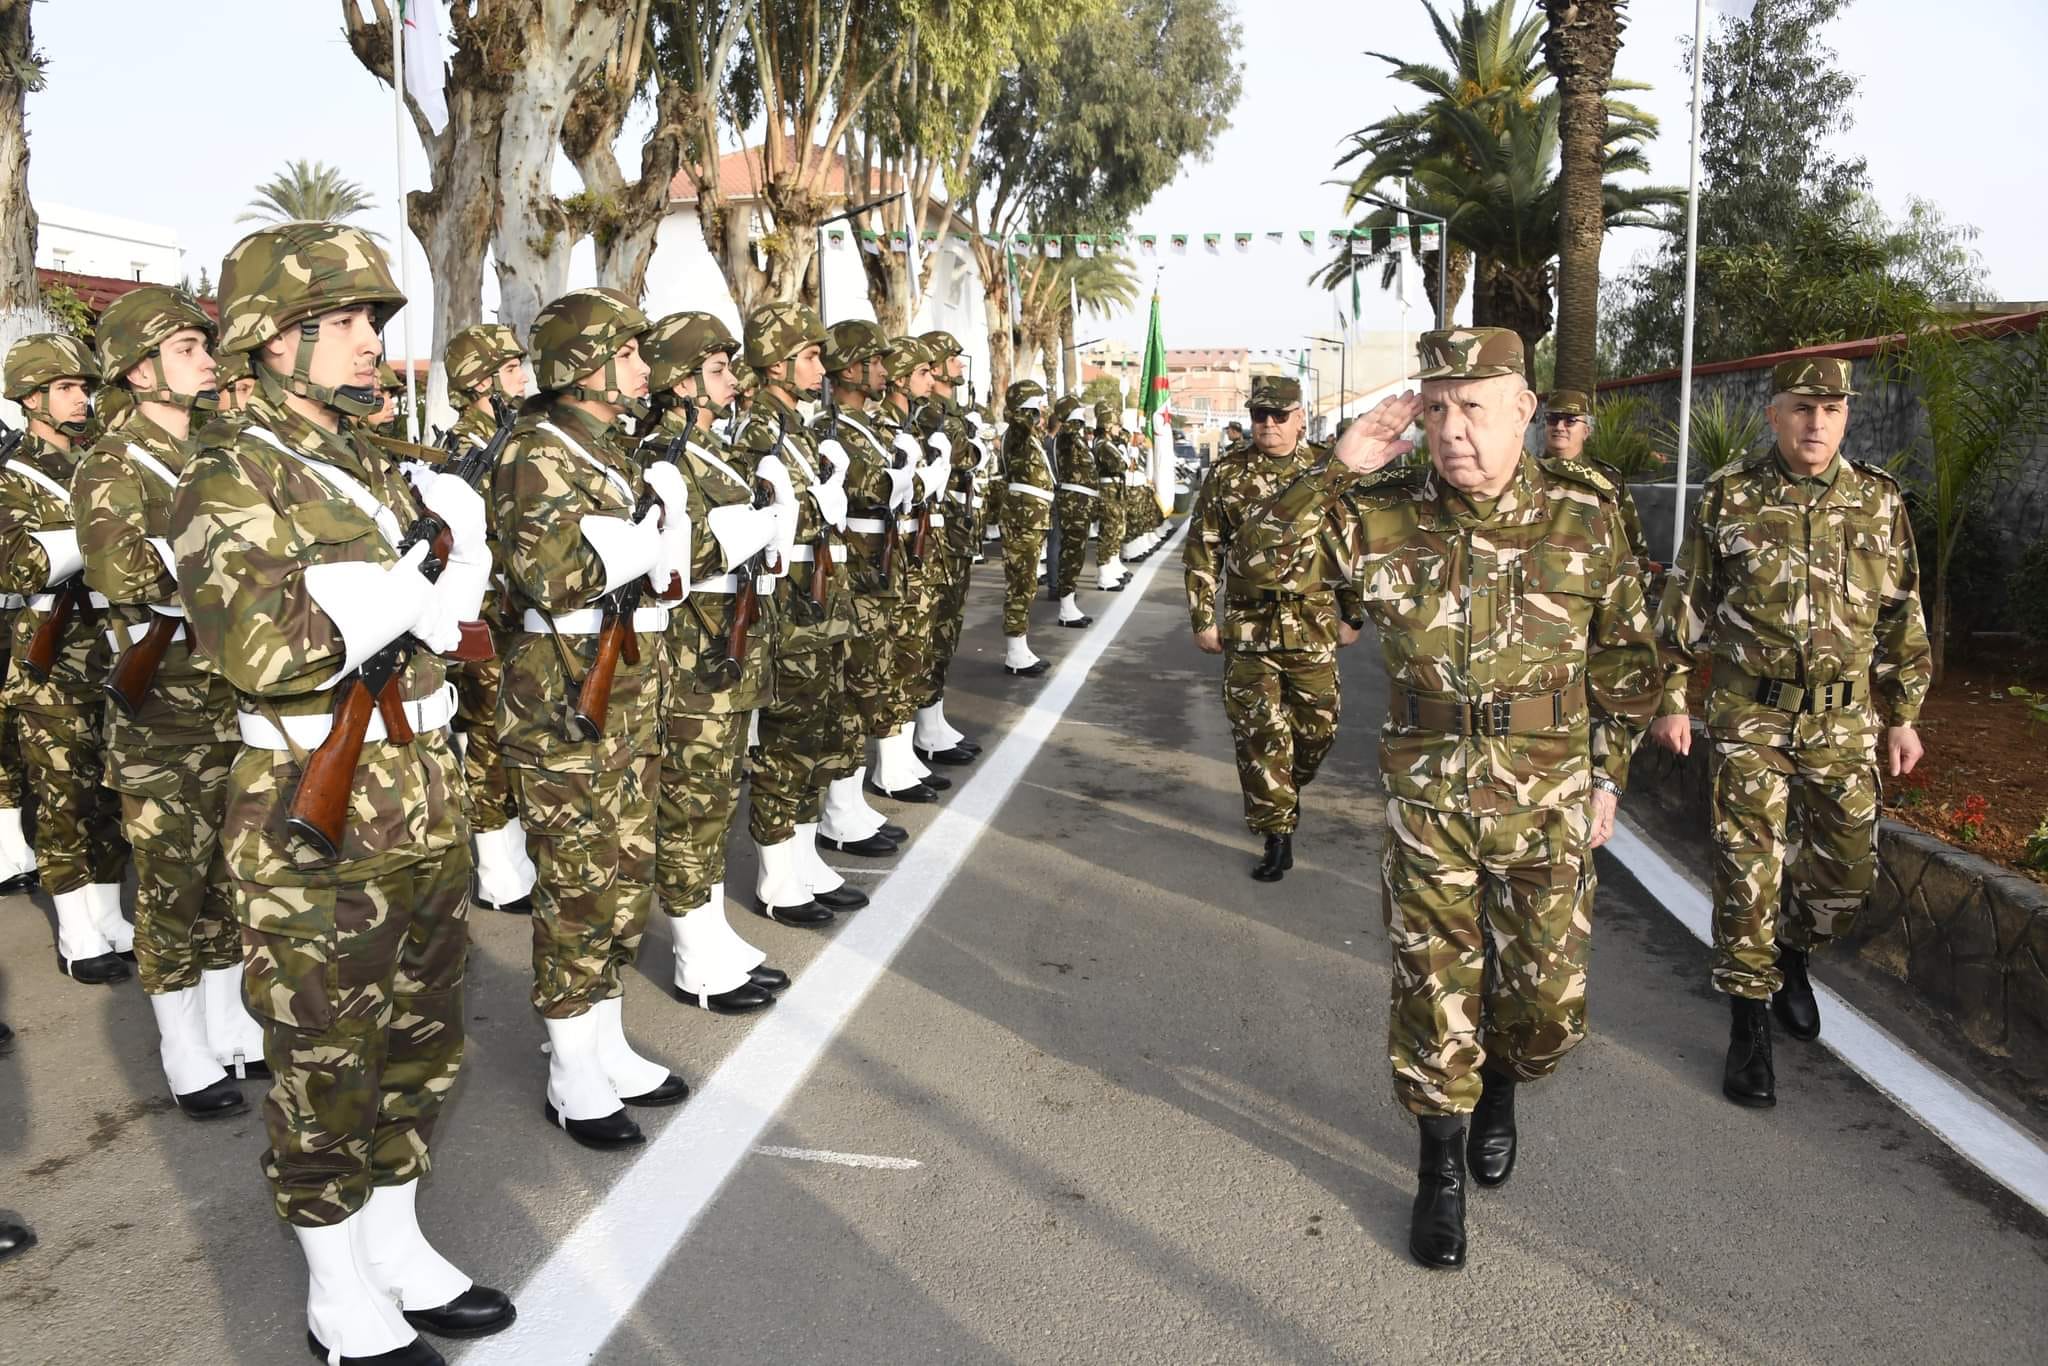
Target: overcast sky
(154,111)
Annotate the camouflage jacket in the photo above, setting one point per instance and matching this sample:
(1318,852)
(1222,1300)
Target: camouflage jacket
(963,527)
(699,626)
(1523,600)
(475,427)
(29,503)
(124,515)
(1770,585)
(1074,458)
(561,466)
(1024,458)
(1631,520)
(1257,616)
(250,518)
(757,437)
(867,497)
(1109,465)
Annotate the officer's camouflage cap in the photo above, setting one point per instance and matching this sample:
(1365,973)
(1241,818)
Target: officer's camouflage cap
(677,346)
(1275,392)
(851,341)
(905,354)
(1822,376)
(941,344)
(276,277)
(1469,353)
(36,360)
(1105,414)
(475,353)
(1569,403)
(142,320)
(775,332)
(576,334)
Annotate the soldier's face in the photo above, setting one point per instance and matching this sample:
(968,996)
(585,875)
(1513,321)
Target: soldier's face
(809,367)
(64,401)
(387,411)
(921,381)
(1475,429)
(1564,434)
(511,379)
(1276,432)
(1809,428)
(188,365)
(237,395)
(346,351)
(716,376)
(630,369)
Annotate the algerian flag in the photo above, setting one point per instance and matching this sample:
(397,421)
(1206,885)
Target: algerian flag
(1152,394)
(1243,240)
(1113,241)
(1180,243)
(1084,247)
(1052,247)
(870,243)
(425,71)
(1148,244)
(1214,242)
(1738,10)
(899,242)
(1428,236)
(836,236)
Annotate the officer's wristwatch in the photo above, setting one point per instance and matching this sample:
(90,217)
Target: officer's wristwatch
(1606,784)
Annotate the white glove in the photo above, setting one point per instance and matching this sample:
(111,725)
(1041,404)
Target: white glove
(931,475)
(741,530)
(667,482)
(626,549)
(941,443)
(776,473)
(830,450)
(417,473)
(908,445)
(461,510)
(902,486)
(371,605)
(60,548)
(830,496)
(458,597)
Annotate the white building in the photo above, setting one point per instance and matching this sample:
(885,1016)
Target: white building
(683,273)
(84,242)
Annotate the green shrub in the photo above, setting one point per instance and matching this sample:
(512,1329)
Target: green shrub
(2027,594)
(1621,437)
(1721,434)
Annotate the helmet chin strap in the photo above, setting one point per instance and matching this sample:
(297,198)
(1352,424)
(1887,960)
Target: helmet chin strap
(354,400)
(612,394)
(205,401)
(718,410)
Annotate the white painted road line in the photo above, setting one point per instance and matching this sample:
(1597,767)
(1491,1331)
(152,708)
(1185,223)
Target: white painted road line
(826,1155)
(590,1283)
(1988,1140)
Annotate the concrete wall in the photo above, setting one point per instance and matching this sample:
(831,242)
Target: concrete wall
(89,243)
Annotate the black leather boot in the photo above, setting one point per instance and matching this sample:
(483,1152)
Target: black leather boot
(20,882)
(218,1101)
(1491,1152)
(477,1312)
(841,899)
(414,1353)
(809,916)
(1793,1003)
(916,792)
(744,999)
(1749,1078)
(955,757)
(673,1090)
(615,1130)
(892,831)
(15,1238)
(1279,857)
(767,978)
(1436,1229)
(102,970)
(874,846)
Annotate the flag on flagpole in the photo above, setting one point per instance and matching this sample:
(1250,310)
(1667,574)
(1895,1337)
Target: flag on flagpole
(1084,246)
(1180,243)
(424,70)
(1154,399)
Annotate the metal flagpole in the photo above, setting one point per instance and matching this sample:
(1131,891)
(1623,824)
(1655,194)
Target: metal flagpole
(1692,249)
(911,243)
(412,401)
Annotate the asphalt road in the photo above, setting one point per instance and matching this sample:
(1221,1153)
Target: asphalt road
(1135,1108)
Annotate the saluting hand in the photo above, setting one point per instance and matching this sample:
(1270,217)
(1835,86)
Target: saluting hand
(1374,441)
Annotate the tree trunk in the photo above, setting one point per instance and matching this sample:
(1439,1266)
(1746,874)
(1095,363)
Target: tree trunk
(1579,46)
(1456,272)
(1937,628)
(621,216)
(1516,299)
(21,301)
(533,237)
(995,308)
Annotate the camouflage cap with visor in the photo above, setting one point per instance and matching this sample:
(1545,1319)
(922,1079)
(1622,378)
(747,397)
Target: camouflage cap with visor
(1820,376)
(1469,353)
(1274,394)
(1569,403)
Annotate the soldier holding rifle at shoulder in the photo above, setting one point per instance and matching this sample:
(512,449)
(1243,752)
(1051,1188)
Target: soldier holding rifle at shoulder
(955,536)
(313,578)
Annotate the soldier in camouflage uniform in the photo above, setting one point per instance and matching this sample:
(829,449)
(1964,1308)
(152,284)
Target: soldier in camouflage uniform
(710,692)
(813,619)
(1567,422)
(1799,583)
(1513,629)
(234,383)
(390,393)
(1280,648)
(168,757)
(285,530)
(575,523)
(1141,506)
(17,860)
(1027,512)
(78,837)
(1073,508)
(1108,450)
(486,367)
(935,740)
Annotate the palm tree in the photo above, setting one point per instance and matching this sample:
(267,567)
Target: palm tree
(1100,284)
(1579,46)
(308,192)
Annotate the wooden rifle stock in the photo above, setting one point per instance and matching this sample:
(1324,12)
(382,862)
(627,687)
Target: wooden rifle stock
(134,673)
(318,812)
(41,656)
(615,641)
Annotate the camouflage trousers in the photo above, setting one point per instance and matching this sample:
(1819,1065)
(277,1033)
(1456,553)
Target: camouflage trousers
(172,802)
(78,821)
(489,805)
(874,678)
(701,757)
(591,836)
(913,641)
(361,1008)
(1283,707)
(1451,880)
(1110,534)
(13,774)
(795,730)
(1025,520)
(948,622)
(1792,827)
(1075,511)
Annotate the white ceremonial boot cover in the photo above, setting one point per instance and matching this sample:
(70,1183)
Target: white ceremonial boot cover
(343,1310)
(860,783)
(910,759)
(742,951)
(1070,610)
(628,1072)
(710,957)
(181,1041)
(847,819)
(577,1086)
(1107,575)
(504,871)
(894,769)
(934,731)
(396,1258)
(105,900)
(78,932)
(232,1033)
(780,882)
(16,858)
(1017,654)
(817,874)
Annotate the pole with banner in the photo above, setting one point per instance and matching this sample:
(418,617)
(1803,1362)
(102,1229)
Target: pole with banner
(412,398)
(1692,248)
(1158,413)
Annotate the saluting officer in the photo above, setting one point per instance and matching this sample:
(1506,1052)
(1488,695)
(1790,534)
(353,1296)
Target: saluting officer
(1567,424)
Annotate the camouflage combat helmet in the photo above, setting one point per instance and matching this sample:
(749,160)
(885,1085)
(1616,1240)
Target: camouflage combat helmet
(1106,415)
(387,379)
(1067,409)
(942,344)
(903,357)
(230,368)
(1017,395)
(777,331)
(744,376)
(35,362)
(135,327)
(475,353)
(675,349)
(579,333)
(851,341)
(291,274)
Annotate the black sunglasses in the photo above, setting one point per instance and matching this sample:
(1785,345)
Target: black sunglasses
(1563,419)
(1274,415)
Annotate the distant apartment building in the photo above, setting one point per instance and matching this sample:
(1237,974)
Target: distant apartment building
(86,242)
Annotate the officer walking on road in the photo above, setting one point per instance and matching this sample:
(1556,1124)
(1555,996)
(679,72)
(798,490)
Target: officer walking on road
(1799,583)
(1567,423)
(1512,629)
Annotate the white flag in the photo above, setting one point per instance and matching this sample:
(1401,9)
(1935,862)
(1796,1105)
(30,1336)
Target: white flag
(424,69)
